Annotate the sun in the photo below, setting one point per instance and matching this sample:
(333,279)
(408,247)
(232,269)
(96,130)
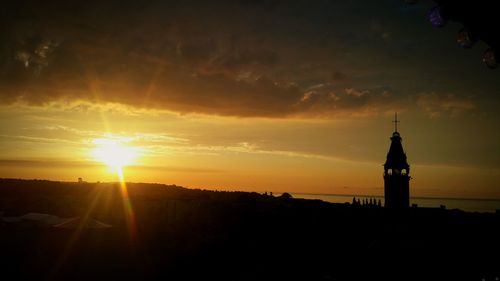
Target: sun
(114,152)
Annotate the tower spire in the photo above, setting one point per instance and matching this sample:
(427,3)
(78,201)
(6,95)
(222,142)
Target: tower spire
(396,121)
(396,173)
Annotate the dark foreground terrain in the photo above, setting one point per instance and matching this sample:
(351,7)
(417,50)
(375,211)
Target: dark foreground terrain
(185,234)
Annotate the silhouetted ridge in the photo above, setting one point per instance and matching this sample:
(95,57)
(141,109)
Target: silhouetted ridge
(190,234)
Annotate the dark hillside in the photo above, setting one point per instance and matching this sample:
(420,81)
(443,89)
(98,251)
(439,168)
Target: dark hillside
(185,234)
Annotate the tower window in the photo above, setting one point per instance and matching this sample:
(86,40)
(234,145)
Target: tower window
(389,171)
(403,172)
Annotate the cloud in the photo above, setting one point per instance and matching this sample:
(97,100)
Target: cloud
(323,101)
(59,163)
(233,58)
(48,163)
(436,105)
(339,76)
(37,139)
(137,56)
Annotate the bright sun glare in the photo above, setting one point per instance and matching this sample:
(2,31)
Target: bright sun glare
(114,152)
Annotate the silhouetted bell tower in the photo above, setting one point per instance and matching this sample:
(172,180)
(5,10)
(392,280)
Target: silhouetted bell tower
(396,173)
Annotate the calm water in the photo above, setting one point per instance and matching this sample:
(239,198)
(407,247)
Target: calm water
(471,205)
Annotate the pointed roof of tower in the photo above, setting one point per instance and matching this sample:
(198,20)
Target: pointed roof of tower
(396,157)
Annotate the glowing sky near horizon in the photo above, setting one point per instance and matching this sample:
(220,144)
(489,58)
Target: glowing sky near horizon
(293,96)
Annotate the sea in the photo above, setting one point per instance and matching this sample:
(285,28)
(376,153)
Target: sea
(469,205)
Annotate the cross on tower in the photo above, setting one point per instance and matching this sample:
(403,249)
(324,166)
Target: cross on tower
(396,121)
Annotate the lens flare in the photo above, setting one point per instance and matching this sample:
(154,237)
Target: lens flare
(436,17)
(127,206)
(114,152)
(489,58)
(465,38)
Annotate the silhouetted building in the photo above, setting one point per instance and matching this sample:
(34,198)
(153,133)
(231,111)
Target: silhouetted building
(286,195)
(396,174)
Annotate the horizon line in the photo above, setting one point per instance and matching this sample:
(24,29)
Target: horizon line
(300,193)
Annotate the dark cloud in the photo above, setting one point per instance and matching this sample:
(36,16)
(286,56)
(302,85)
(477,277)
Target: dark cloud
(240,58)
(339,76)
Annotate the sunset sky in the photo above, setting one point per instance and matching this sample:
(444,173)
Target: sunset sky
(293,96)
